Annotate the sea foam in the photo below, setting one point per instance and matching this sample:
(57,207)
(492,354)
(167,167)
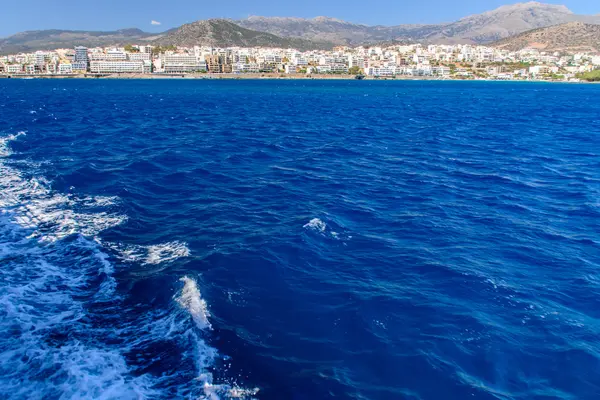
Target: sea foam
(44,282)
(316,224)
(54,267)
(190,299)
(152,254)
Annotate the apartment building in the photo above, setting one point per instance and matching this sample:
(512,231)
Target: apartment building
(106,67)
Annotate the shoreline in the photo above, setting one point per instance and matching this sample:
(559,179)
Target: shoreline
(266,76)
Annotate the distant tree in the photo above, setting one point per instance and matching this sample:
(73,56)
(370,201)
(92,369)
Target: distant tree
(161,49)
(593,76)
(355,70)
(130,49)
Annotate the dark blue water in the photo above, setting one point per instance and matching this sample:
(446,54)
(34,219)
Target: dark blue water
(299,240)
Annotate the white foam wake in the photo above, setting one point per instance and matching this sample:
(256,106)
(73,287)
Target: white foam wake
(190,300)
(316,224)
(44,281)
(151,255)
(41,304)
(50,215)
(52,269)
(4,148)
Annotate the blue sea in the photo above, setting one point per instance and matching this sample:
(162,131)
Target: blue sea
(253,239)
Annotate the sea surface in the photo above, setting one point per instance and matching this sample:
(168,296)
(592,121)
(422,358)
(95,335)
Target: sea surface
(177,239)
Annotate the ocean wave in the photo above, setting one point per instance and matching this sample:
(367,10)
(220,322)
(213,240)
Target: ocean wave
(54,271)
(152,254)
(316,224)
(323,229)
(49,215)
(191,300)
(100,201)
(5,150)
(45,280)
(42,307)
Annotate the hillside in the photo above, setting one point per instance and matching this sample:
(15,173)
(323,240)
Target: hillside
(223,33)
(315,33)
(569,37)
(53,39)
(505,21)
(475,29)
(315,29)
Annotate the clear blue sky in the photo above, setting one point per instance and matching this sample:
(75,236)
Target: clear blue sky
(21,15)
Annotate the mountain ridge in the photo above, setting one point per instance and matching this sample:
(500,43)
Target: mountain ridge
(569,37)
(51,39)
(224,33)
(480,28)
(315,33)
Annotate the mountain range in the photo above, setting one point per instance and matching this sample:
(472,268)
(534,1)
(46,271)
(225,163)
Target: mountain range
(320,32)
(475,29)
(224,33)
(568,38)
(56,38)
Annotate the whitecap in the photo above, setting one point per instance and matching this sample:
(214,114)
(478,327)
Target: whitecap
(152,254)
(49,215)
(99,201)
(4,148)
(190,299)
(54,268)
(41,294)
(316,224)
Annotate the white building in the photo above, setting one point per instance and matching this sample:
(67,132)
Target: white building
(248,68)
(14,68)
(40,58)
(339,68)
(181,63)
(64,69)
(379,71)
(81,59)
(441,71)
(102,67)
(542,69)
(112,55)
(300,62)
(356,62)
(139,56)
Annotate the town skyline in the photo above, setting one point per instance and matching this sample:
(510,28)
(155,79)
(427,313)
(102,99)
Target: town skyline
(464,62)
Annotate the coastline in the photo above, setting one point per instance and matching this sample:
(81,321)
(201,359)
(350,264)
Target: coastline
(268,76)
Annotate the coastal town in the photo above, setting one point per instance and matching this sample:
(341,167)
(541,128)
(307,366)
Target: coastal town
(414,61)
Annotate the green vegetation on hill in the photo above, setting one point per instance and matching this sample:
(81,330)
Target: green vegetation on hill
(571,38)
(129,48)
(593,76)
(161,49)
(224,33)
